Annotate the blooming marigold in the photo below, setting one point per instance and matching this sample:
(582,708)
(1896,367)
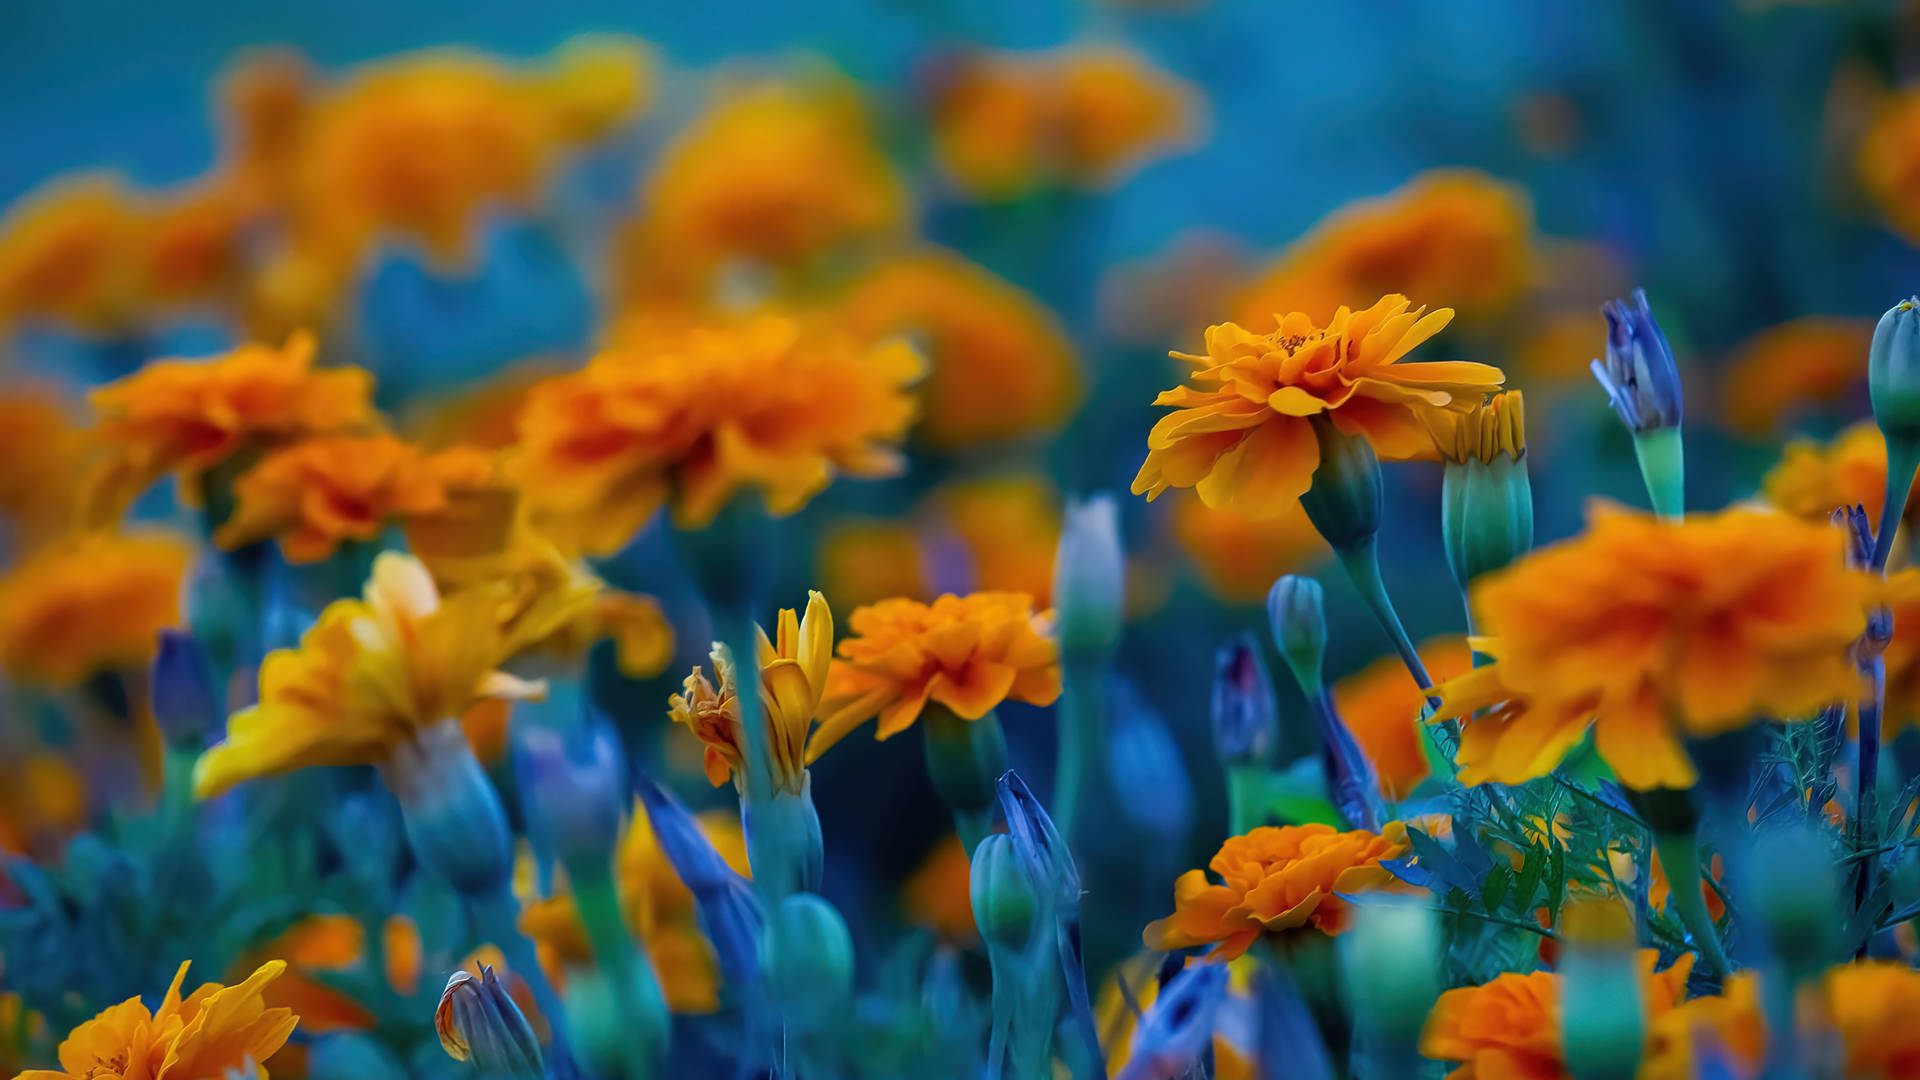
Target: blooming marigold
(92,605)
(1889,161)
(1275,879)
(191,415)
(1509,1029)
(1872,1005)
(793,678)
(1381,705)
(215,1029)
(1811,480)
(1457,235)
(1786,367)
(1241,434)
(1001,367)
(967,653)
(1664,631)
(767,402)
(370,675)
(316,494)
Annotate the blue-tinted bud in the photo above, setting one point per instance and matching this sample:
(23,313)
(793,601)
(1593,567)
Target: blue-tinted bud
(1039,844)
(1639,374)
(1297,612)
(1893,369)
(1245,719)
(1796,890)
(452,813)
(1006,907)
(1089,577)
(574,787)
(1391,957)
(806,956)
(1346,499)
(1176,1031)
(479,1022)
(730,910)
(186,704)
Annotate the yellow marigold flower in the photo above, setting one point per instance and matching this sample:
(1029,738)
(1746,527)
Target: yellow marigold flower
(936,896)
(316,494)
(1812,480)
(596,82)
(1272,880)
(766,402)
(91,605)
(1381,705)
(1664,631)
(1456,235)
(793,679)
(967,653)
(370,675)
(1509,1029)
(1001,367)
(43,449)
(1872,1006)
(1010,525)
(215,1029)
(1240,434)
(1238,556)
(1786,367)
(191,415)
(1889,161)
(61,254)
(865,560)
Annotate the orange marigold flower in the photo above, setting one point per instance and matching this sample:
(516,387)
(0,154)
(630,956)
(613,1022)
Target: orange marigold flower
(1786,367)
(1664,631)
(1872,1006)
(1889,161)
(1902,598)
(1239,556)
(43,449)
(936,896)
(91,605)
(1010,526)
(1509,1029)
(62,254)
(1456,235)
(966,653)
(316,494)
(793,677)
(1275,879)
(1732,1019)
(1242,434)
(191,415)
(766,402)
(215,1029)
(1812,480)
(1381,704)
(479,510)
(1001,367)
(865,560)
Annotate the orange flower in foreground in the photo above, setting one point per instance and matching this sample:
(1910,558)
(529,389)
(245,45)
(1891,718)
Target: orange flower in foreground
(966,653)
(1813,480)
(1786,367)
(1509,1029)
(1872,1005)
(1455,235)
(1381,704)
(316,494)
(215,1029)
(1242,434)
(1902,598)
(1275,879)
(766,402)
(1889,161)
(1001,366)
(92,605)
(1664,630)
(191,415)
(936,896)
(1238,556)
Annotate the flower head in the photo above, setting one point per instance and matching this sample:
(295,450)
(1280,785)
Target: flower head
(1889,161)
(1663,630)
(938,894)
(767,403)
(95,604)
(370,675)
(966,653)
(214,1029)
(44,449)
(793,678)
(1241,436)
(1276,879)
(1639,374)
(1784,368)
(1812,479)
(478,1022)
(1871,1005)
(315,494)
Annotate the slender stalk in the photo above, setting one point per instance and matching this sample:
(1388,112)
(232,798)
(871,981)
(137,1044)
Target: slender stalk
(1903,458)
(1663,467)
(1362,561)
(1246,797)
(1866,831)
(1083,732)
(1680,855)
(635,986)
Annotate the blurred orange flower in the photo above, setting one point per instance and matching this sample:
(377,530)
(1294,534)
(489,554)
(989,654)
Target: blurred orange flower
(1872,1005)
(44,451)
(1381,704)
(1001,366)
(1561,346)
(1010,525)
(1889,161)
(1456,236)
(61,254)
(1789,366)
(1902,598)
(966,653)
(1275,879)
(88,605)
(1241,436)
(936,896)
(1812,480)
(866,560)
(1732,1019)
(767,402)
(316,494)
(1239,556)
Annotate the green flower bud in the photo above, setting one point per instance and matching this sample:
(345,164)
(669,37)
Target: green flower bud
(1089,577)
(613,1038)
(1795,890)
(964,757)
(1345,500)
(452,813)
(1391,958)
(806,956)
(1603,1021)
(1006,906)
(1297,612)
(1893,369)
(1486,503)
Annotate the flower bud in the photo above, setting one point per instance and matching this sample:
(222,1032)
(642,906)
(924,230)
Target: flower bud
(1296,610)
(1005,905)
(613,1037)
(964,757)
(1603,1023)
(574,789)
(806,956)
(1486,501)
(1391,958)
(1345,500)
(1893,369)
(730,911)
(1089,577)
(1639,375)
(1041,847)
(479,1022)
(1795,890)
(452,813)
(1245,719)
(784,844)
(1176,1032)
(185,703)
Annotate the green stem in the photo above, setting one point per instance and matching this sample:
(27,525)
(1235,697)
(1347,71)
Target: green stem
(1663,467)
(1083,732)
(965,760)
(635,987)
(1680,855)
(1362,561)
(1903,458)
(1246,797)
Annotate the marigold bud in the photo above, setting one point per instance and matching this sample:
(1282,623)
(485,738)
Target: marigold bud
(574,789)
(1486,502)
(1089,577)
(1346,500)
(1006,906)
(1296,609)
(1245,719)
(479,1022)
(1391,958)
(452,813)
(806,955)
(1602,1014)
(1639,374)
(1893,369)
(1795,890)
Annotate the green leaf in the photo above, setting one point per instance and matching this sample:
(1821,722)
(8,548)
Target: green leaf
(1494,888)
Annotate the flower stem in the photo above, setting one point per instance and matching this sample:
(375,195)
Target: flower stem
(1246,797)
(1083,732)
(965,759)
(631,973)
(1866,832)
(1680,856)
(1362,560)
(1663,468)
(1903,458)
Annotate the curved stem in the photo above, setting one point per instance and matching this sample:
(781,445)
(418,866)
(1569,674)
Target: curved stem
(1680,856)
(1362,561)
(1903,458)
(1866,807)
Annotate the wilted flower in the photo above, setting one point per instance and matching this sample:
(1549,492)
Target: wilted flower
(967,653)
(1273,880)
(1786,367)
(478,1022)
(793,676)
(316,494)
(90,605)
(1241,435)
(214,1029)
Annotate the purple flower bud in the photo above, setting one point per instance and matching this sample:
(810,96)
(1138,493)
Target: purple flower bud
(1639,375)
(185,703)
(1245,722)
(574,785)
